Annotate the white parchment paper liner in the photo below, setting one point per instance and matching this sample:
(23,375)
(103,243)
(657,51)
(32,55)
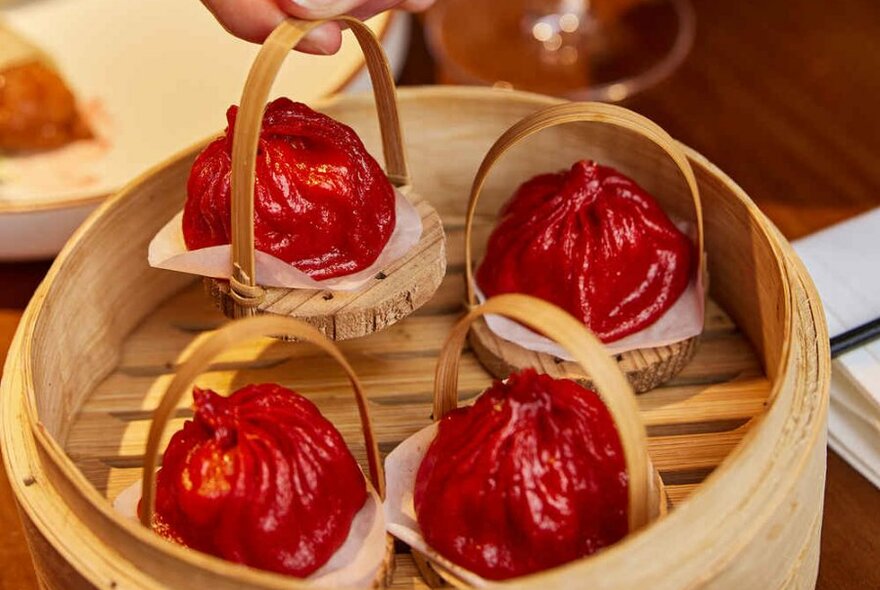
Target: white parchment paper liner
(354,565)
(168,251)
(401,468)
(681,321)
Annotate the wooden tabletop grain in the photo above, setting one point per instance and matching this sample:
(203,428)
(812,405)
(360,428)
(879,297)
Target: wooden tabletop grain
(783,95)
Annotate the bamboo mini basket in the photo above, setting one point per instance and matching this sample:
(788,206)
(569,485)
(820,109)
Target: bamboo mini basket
(395,291)
(647,497)
(646,368)
(738,435)
(200,360)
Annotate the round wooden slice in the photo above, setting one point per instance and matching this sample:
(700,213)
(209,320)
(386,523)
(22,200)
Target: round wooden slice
(393,294)
(646,368)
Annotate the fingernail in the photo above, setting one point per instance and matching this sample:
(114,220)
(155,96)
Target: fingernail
(322,8)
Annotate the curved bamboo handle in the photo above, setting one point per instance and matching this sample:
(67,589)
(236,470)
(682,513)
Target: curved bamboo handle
(611,385)
(199,361)
(574,112)
(243,288)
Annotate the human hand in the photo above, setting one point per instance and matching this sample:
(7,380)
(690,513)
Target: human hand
(253,20)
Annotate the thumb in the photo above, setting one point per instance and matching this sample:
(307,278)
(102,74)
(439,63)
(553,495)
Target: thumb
(327,38)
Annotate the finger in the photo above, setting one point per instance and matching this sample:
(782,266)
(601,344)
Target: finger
(253,20)
(416,5)
(312,9)
(248,20)
(315,9)
(373,7)
(325,40)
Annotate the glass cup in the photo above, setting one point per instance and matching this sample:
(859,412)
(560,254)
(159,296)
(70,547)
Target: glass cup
(602,50)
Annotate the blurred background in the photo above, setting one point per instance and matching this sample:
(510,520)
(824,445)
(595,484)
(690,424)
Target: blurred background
(782,95)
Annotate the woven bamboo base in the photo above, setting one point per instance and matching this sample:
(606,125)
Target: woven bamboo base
(645,368)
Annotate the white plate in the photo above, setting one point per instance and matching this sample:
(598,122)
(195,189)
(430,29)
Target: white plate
(164,73)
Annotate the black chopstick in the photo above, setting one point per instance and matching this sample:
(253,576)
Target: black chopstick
(858,336)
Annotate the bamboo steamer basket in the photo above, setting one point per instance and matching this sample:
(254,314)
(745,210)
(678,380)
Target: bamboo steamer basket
(738,436)
(645,367)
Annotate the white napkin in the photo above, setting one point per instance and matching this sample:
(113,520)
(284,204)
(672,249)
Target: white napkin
(844,261)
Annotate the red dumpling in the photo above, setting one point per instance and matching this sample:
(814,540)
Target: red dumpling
(593,242)
(529,477)
(259,478)
(322,203)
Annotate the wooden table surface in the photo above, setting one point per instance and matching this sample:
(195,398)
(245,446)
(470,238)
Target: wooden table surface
(783,95)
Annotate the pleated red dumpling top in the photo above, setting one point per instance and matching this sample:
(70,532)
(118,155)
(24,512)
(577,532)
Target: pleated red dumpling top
(593,242)
(259,478)
(322,203)
(529,477)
